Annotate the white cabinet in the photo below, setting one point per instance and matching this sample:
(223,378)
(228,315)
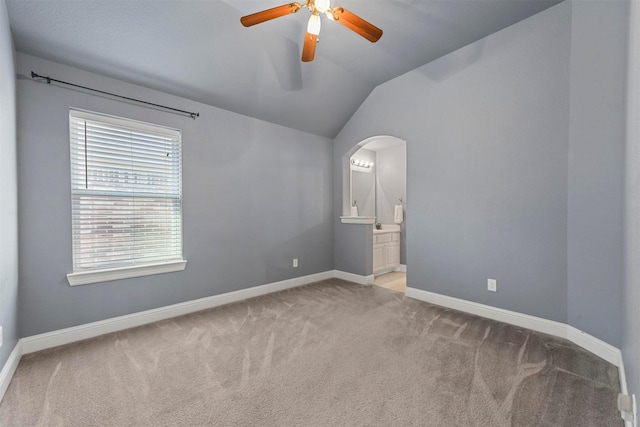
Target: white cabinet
(392,253)
(386,251)
(379,258)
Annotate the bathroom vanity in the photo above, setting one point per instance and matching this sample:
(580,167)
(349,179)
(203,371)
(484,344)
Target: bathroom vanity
(386,248)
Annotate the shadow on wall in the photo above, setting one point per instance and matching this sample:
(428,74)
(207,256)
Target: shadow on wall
(449,65)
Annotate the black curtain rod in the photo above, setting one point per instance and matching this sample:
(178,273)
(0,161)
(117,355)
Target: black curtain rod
(49,80)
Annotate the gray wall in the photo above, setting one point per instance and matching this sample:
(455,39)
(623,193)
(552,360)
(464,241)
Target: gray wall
(514,172)
(631,291)
(391,179)
(252,202)
(357,256)
(8,193)
(596,168)
(486,130)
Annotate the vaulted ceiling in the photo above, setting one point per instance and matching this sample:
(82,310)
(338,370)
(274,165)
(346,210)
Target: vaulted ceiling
(198,49)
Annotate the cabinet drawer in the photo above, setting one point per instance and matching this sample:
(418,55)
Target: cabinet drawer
(382,238)
(395,237)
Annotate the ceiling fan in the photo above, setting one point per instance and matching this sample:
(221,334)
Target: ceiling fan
(316,7)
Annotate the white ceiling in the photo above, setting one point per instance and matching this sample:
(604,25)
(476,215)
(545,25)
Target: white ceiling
(199,50)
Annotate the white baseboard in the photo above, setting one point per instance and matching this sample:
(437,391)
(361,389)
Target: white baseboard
(402,268)
(514,318)
(356,278)
(590,343)
(624,390)
(596,346)
(9,368)
(94,329)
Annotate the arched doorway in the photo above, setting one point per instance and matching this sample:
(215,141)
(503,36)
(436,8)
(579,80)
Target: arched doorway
(376,173)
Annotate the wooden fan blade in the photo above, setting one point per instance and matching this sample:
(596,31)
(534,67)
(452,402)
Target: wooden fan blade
(357,24)
(269,14)
(309,48)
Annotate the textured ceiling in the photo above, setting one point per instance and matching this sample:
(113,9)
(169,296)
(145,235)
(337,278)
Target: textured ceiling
(199,50)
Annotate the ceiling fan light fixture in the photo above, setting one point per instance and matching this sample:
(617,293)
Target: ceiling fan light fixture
(313,27)
(316,7)
(322,5)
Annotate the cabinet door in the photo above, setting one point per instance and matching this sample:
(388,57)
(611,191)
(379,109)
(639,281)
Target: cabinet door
(379,259)
(392,255)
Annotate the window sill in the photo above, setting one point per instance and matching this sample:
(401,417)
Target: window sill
(95,276)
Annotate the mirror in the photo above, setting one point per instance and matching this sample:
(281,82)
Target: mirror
(363,190)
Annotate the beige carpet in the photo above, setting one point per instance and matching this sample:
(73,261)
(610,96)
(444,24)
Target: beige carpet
(330,353)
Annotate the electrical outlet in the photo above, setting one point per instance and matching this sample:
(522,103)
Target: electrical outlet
(295,263)
(627,408)
(492,285)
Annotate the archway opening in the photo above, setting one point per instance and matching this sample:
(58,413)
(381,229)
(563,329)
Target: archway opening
(375,187)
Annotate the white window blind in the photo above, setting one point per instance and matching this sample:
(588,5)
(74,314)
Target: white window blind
(126,188)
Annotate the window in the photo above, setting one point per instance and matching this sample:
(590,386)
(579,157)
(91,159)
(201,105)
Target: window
(126,194)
